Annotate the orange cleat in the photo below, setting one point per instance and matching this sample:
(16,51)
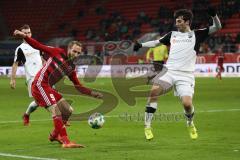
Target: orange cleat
(72,145)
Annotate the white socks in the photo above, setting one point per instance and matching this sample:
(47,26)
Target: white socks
(32,107)
(150,110)
(189,115)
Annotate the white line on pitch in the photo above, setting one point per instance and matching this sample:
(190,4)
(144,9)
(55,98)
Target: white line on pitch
(25,157)
(204,111)
(220,110)
(40,120)
(115,116)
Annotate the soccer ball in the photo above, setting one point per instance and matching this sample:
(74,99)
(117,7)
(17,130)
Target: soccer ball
(96,120)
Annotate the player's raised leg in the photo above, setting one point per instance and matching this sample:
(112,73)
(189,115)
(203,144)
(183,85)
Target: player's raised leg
(189,114)
(151,107)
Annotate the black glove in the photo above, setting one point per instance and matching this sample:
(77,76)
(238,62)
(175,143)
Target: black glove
(137,46)
(211,11)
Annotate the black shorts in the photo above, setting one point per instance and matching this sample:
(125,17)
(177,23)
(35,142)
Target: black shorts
(158,65)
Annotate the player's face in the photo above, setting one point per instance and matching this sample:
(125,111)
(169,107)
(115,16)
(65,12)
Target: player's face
(181,24)
(74,51)
(27,32)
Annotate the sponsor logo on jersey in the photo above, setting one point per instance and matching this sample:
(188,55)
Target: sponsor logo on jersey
(181,41)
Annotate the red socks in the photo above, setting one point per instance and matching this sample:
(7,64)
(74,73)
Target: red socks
(59,129)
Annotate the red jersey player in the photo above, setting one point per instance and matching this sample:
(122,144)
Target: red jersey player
(57,66)
(220,59)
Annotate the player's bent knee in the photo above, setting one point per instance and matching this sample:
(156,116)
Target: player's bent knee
(156,90)
(187,102)
(163,86)
(54,110)
(65,107)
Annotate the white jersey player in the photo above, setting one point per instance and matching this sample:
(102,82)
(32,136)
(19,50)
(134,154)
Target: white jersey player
(32,61)
(180,66)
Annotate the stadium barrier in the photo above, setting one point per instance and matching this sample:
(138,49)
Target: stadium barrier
(202,70)
(201,59)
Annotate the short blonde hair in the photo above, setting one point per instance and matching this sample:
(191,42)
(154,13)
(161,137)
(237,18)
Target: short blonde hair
(25,26)
(70,44)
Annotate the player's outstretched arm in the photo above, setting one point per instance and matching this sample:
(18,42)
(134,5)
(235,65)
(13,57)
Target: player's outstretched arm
(82,89)
(32,42)
(216,21)
(148,44)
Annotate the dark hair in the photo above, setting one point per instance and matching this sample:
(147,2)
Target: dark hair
(74,42)
(185,13)
(25,26)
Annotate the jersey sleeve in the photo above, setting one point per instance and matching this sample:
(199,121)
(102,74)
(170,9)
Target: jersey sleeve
(166,38)
(19,56)
(201,34)
(78,85)
(37,45)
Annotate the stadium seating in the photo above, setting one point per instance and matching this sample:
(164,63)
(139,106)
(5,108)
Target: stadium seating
(40,15)
(233,25)
(60,18)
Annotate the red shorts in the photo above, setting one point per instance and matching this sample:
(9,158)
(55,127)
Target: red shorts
(45,95)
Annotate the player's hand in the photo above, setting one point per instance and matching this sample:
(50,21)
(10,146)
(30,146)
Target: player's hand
(13,83)
(137,46)
(211,11)
(97,95)
(19,34)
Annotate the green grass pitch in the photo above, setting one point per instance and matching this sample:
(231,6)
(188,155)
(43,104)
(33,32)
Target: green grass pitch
(217,105)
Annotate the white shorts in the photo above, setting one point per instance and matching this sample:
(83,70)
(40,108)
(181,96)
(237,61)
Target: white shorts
(29,85)
(182,82)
